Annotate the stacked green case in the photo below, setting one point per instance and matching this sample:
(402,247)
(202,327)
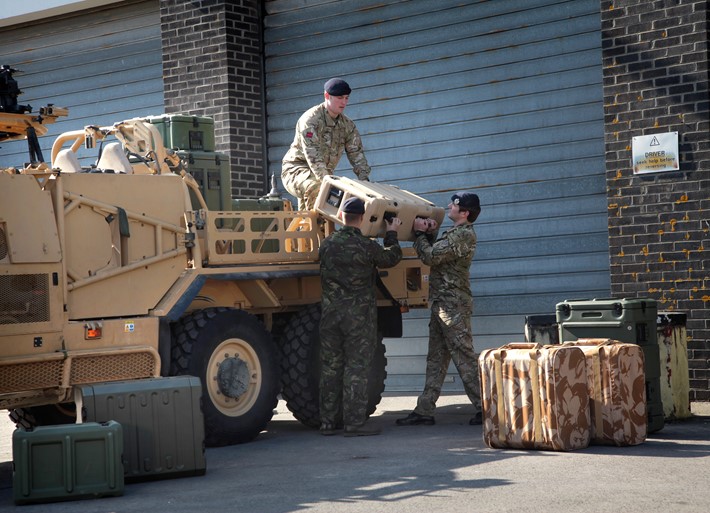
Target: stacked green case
(211,172)
(67,462)
(189,133)
(163,426)
(626,320)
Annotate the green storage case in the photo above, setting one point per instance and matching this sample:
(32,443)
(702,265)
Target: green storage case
(188,133)
(67,462)
(163,425)
(631,320)
(212,173)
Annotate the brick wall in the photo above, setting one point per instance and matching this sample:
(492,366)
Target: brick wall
(212,66)
(655,62)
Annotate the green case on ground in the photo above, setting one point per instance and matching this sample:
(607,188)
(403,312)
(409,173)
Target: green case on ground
(67,462)
(163,426)
(182,132)
(631,320)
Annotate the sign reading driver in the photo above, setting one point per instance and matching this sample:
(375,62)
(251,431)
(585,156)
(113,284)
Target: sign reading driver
(655,153)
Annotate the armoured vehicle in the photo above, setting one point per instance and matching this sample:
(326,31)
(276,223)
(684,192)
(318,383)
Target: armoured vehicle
(120,270)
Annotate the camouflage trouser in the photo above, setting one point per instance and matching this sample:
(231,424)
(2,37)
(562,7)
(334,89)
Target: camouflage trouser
(302,183)
(347,347)
(449,339)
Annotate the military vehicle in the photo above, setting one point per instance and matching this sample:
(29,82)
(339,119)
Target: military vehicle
(120,270)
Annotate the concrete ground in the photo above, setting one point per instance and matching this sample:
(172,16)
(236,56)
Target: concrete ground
(446,467)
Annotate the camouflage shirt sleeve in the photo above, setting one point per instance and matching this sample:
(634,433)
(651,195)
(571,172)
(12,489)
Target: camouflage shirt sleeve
(391,253)
(356,153)
(454,244)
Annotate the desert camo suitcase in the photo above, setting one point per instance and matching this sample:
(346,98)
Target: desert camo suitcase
(617,391)
(67,462)
(163,426)
(534,397)
(381,201)
(631,320)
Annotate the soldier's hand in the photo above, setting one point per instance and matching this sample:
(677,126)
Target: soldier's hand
(393,223)
(420,224)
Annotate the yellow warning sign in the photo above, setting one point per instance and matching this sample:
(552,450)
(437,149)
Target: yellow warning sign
(655,153)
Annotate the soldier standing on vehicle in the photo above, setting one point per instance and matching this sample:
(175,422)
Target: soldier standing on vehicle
(348,326)
(322,134)
(451,302)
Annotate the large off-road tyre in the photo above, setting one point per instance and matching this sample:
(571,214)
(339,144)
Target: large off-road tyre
(236,360)
(300,368)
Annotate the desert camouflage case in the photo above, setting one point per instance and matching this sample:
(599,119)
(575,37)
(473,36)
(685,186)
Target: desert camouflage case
(381,201)
(617,391)
(535,397)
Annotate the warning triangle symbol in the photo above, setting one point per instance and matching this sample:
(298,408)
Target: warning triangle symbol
(654,142)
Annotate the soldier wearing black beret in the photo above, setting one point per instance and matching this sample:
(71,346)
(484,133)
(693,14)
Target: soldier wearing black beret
(348,326)
(323,134)
(450,338)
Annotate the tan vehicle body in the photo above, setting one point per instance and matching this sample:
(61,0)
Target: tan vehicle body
(103,273)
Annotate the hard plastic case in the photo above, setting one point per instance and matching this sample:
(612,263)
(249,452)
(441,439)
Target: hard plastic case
(190,133)
(67,462)
(212,173)
(381,201)
(617,391)
(630,320)
(535,397)
(163,426)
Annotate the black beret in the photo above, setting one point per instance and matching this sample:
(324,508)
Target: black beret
(466,201)
(337,87)
(354,206)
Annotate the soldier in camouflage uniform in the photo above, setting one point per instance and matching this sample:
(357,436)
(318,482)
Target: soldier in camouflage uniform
(451,307)
(322,134)
(348,326)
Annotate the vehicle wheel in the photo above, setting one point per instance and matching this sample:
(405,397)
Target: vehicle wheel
(236,360)
(300,368)
(47,415)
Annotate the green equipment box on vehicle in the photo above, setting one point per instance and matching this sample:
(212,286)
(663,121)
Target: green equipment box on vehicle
(187,133)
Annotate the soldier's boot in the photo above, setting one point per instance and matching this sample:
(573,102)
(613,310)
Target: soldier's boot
(416,419)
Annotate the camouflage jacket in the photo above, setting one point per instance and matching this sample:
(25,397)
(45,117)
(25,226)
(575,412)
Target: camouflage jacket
(320,141)
(348,262)
(450,259)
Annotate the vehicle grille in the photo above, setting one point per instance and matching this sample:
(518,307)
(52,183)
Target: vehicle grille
(24,298)
(111,367)
(83,368)
(31,376)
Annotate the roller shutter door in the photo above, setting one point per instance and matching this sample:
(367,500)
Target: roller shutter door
(105,65)
(504,98)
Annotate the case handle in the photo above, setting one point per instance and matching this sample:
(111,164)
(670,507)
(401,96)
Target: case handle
(591,342)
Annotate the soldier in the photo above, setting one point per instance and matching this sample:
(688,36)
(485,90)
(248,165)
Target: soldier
(348,326)
(322,134)
(451,306)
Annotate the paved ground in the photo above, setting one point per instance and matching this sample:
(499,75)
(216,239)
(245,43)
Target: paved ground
(418,469)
